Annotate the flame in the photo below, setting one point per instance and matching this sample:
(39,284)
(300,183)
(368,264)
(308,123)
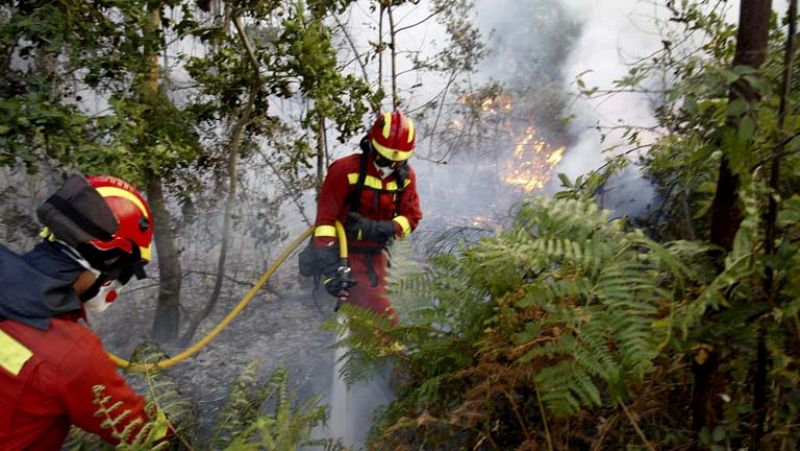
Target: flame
(491,105)
(533,161)
(530,133)
(555,157)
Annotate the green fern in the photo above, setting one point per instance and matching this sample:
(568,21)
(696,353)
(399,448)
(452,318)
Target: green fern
(149,434)
(272,418)
(567,300)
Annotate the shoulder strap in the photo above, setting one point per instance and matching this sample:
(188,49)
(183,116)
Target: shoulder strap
(354,199)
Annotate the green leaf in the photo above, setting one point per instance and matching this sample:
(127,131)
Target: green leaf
(736,108)
(719,434)
(747,128)
(690,105)
(705,436)
(790,214)
(564,180)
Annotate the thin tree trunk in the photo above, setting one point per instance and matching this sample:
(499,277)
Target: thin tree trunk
(167,319)
(393,34)
(380,51)
(751,50)
(450,81)
(760,382)
(233,179)
(320,154)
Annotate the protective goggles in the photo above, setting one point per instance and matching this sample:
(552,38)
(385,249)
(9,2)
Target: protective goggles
(384,162)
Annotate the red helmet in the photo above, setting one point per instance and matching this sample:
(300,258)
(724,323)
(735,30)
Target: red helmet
(392,136)
(135,231)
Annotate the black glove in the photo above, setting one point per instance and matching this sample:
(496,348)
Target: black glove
(361,228)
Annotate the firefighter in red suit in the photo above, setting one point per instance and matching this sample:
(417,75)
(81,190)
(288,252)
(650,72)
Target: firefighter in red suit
(97,237)
(375,195)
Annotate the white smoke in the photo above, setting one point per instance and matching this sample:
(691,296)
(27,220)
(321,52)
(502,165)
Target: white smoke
(614,34)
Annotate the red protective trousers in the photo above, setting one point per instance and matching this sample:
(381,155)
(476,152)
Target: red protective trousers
(364,294)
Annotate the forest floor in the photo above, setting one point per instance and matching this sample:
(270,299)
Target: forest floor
(280,327)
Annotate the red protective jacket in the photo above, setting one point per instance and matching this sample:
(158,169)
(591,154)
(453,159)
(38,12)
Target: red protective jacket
(380,200)
(46,381)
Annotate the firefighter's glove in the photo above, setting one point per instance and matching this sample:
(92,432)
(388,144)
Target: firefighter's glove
(361,228)
(328,259)
(338,281)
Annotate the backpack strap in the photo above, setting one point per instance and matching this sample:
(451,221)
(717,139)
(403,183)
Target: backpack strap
(400,176)
(354,198)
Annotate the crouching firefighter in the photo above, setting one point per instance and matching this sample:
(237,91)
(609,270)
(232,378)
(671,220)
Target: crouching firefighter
(374,194)
(97,237)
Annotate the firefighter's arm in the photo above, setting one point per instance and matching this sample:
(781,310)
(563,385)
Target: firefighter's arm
(332,199)
(409,212)
(80,380)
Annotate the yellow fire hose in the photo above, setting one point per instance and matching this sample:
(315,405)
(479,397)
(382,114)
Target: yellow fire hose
(192,350)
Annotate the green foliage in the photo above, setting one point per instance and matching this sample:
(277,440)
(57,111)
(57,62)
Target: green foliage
(564,307)
(256,415)
(285,426)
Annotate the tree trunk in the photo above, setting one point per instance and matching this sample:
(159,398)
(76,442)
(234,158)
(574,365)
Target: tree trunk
(760,382)
(234,149)
(167,319)
(393,34)
(320,154)
(751,50)
(380,51)
(165,324)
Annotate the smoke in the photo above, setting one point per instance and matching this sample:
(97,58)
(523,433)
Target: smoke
(614,34)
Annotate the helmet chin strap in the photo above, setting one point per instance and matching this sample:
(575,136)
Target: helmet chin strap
(102,292)
(384,171)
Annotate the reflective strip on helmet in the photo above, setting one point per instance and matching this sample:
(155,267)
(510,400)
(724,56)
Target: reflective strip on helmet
(113,191)
(391,154)
(13,354)
(387,125)
(325,231)
(404,224)
(410,130)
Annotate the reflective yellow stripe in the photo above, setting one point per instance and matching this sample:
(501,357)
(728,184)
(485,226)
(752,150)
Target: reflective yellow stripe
(369,181)
(387,124)
(146,253)
(404,224)
(47,234)
(410,130)
(391,154)
(13,354)
(326,231)
(375,182)
(113,191)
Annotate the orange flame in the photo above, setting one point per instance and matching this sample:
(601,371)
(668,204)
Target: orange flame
(532,163)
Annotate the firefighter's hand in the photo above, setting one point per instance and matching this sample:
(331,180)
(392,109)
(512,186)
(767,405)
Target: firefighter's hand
(362,228)
(337,282)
